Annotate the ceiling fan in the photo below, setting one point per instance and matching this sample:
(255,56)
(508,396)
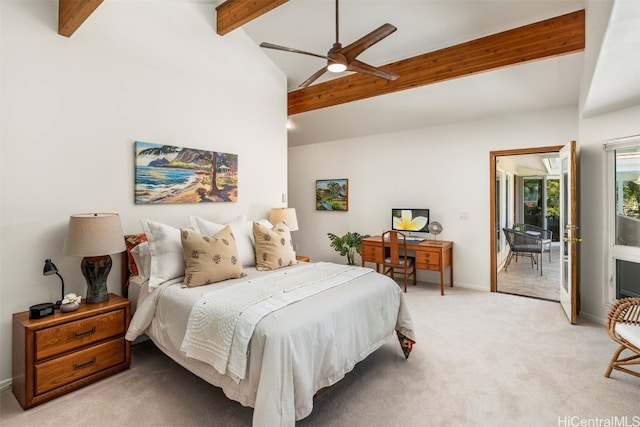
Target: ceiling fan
(344,58)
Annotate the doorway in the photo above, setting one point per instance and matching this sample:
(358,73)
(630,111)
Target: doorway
(525,190)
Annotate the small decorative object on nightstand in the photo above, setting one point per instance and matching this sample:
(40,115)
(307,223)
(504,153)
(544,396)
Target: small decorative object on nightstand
(70,303)
(60,353)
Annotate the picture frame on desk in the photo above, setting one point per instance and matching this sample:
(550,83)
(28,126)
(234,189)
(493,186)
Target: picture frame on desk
(332,195)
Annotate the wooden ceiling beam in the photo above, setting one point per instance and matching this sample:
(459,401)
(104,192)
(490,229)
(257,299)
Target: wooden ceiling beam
(72,13)
(545,39)
(234,13)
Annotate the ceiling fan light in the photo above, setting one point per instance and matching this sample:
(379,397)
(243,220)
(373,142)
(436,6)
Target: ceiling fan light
(336,67)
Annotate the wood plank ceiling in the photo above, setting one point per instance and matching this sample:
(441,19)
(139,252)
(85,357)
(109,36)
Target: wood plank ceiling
(557,36)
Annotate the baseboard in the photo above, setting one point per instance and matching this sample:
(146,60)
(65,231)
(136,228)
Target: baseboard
(467,286)
(593,318)
(5,383)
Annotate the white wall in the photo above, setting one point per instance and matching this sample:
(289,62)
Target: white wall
(595,279)
(72,108)
(444,168)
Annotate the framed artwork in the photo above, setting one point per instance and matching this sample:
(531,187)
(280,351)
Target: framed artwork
(332,194)
(170,174)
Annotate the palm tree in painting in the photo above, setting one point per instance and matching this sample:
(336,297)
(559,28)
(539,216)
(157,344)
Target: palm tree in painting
(210,156)
(334,189)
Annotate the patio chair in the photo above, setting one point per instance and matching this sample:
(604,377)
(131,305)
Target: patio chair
(544,234)
(521,243)
(624,328)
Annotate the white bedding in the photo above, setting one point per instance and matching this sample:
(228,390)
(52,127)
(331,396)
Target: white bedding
(135,286)
(295,350)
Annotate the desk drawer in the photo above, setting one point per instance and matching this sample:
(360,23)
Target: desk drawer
(63,370)
(428,260)
(372,254)
(67,337)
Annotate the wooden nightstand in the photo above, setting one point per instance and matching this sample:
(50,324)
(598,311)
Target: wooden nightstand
(302,258)
(65,351)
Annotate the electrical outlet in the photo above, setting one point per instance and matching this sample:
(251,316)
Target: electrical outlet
(463,215)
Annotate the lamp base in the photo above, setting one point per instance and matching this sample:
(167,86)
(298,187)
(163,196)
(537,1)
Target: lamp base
(95,270)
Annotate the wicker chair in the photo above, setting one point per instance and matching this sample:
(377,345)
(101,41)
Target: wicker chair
(394,246)
(522,243)
(624,328)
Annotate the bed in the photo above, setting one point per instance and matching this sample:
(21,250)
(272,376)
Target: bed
(282,332)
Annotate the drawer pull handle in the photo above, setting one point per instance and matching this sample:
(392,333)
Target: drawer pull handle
(86,333)
(77,366)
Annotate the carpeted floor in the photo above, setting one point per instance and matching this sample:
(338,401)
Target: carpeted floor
(482,359)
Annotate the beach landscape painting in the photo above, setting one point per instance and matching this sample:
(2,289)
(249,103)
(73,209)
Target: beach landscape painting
(332,194)
(171,174)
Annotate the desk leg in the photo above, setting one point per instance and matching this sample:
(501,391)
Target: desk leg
(442,281)
(451,267)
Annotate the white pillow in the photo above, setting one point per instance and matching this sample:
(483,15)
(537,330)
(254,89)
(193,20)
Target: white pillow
(203,226)
(242,230)
(142,257)
(165,248)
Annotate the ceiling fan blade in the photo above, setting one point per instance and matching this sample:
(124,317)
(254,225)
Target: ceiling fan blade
(288,49)
(361,67)
(314,77)
(357,47)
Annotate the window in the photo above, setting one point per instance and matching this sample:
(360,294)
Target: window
(623,160)
(627,171)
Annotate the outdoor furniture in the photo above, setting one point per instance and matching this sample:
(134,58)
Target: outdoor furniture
(522,243)
(544,234)
(624,328)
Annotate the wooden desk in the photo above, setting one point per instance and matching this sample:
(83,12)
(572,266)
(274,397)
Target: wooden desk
(429,255)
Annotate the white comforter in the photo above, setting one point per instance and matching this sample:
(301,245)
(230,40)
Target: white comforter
(222,322)
(295,350)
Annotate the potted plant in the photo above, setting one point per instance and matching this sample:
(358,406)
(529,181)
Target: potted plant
(347,245)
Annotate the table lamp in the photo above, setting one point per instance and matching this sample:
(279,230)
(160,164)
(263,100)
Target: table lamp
(288,215)
(50,269)
(94,236)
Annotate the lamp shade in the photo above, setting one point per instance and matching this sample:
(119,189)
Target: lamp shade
(94,234)
(288,215)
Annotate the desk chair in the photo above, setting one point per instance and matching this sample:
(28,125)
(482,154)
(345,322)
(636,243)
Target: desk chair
(395,258)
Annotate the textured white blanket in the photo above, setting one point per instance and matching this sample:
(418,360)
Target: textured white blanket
(222,322)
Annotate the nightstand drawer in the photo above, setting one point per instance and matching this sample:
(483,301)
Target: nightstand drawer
(63,338)
(66,369)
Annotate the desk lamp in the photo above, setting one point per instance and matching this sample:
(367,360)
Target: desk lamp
(50,269)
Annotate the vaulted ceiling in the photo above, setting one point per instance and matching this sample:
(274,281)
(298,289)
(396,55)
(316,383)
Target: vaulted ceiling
(515,56)
(457,61)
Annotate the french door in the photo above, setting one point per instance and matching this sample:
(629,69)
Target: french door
(569,229)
